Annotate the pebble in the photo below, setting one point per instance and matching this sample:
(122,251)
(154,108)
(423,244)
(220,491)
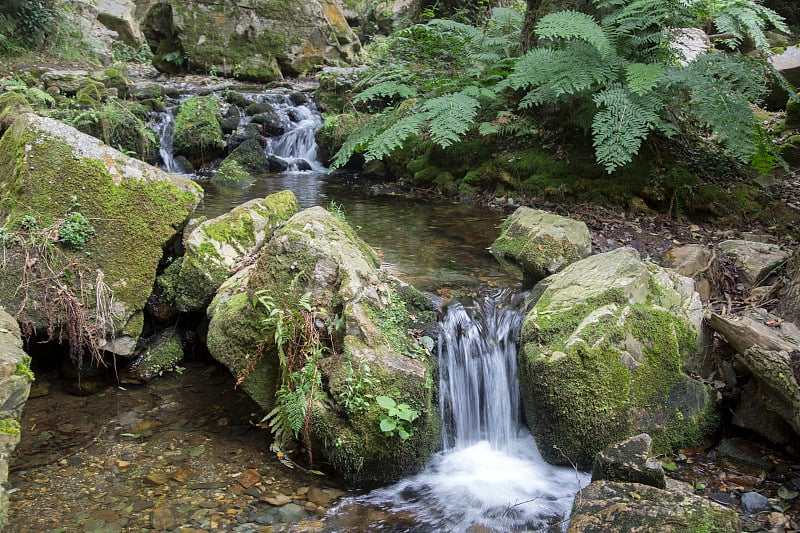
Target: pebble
(753,502)
(278,500)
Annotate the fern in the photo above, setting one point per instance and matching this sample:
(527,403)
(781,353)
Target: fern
(450,117)
(386,89)
(574,25)
(620,126)
(642,78)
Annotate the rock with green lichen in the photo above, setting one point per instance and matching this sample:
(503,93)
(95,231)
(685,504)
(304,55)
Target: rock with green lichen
(630,461)
(12,105)
(369,315)
(49,170)
(216,246)
(253,40)
(610,507)
(198,134)
(602,354)
(536,243)
(15,384)
(231,174)
(163,352)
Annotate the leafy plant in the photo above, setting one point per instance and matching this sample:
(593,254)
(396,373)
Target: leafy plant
(353,395)
(121,51)
(622,77)
(75,231)
(398,418)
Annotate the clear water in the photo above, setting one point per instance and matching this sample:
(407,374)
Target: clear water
(489,474)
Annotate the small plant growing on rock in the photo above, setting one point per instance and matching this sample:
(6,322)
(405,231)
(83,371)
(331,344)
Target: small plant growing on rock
(398,418)
(75,231)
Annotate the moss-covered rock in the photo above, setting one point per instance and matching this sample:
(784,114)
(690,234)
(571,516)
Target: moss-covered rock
(250,155)
(601,356)
(253,40)
(217,245)
(49,170)
(198,134)
(369,314)
(163,353)
(15,384)
(609,507)
(231,174)
(536,243)
(12,105)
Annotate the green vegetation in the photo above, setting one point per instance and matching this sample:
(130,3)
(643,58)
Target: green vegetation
(398,418)
(9,426)
(615,74)
(75,231)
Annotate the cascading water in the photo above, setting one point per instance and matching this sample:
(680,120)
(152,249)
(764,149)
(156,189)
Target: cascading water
(297,146)
(490,473)
(164,126)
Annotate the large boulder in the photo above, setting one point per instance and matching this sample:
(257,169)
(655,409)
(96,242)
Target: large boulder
(15,384)
(601,356)
(610,507)
(536,243)
(216,246)
(85,228)
(315,262)
(250,39)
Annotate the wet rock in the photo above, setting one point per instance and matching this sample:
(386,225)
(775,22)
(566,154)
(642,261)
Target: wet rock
(163,518)
(249,478)
(277,164)
(630,461)
(232,174)
(537,244)
(324,497)
(215,247)
(292,513)
(146,90)
(298,98)
(601,357)
(753,502)
(230,120)
(250,155)
(270,123)
(609,507)
(317,253)
(744,453)
(163,352)
(156,478)
(278,500)
(198,134)
(754,260)
(116,193)
(15,383)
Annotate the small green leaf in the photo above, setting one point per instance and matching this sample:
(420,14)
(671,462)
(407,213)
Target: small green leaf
(669,464)
(785,494)
(385,402)
(405,435)
(388,424)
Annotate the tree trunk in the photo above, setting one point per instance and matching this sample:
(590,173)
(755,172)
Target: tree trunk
(527,37)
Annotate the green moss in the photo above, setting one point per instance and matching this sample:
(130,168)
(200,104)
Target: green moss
(198,134)
(9,426)
(231,174)
(23,368)
(165,353)
(584,395)
(132,218)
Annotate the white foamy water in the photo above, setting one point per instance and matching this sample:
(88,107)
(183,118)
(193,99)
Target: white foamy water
(490,473)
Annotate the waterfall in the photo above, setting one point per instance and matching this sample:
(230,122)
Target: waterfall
(297,146)
(164,126)
(478,388)
(490,474)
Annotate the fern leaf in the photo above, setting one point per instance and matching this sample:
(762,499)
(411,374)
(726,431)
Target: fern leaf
(575,25)
(450,117)
(643,77)
(393,137)
(620,126)
(386,89)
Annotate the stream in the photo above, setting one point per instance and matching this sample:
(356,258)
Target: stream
(185,451)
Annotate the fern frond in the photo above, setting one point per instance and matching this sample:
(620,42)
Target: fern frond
(620,126)
(394,136)
(643,77)
(357,141)
(570,25)
(450,117)
(551,75)
(386,89)
(745,18)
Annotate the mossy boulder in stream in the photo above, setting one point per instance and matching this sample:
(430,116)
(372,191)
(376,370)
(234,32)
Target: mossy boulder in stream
(536,243)
(198,134)
(216,246)
(84,228)
(374,345)
(601,357)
